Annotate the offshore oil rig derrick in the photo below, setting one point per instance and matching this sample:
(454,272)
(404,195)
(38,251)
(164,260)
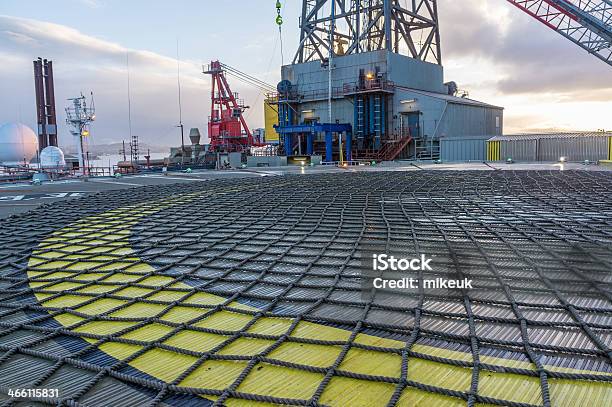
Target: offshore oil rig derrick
(367,83)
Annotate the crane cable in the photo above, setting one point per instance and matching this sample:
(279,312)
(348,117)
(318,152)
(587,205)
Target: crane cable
(249,79)
(279,22)
(255,85)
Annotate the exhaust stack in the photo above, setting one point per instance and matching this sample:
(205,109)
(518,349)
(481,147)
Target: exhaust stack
(45,103)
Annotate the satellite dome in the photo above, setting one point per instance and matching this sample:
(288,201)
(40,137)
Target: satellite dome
(52,158)
(18,142)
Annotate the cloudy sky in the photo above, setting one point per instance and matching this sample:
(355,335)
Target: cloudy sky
(493,50)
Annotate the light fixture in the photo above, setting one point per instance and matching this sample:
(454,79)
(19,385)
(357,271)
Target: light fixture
(562,159)
(85,133)
(407,101)
(308,111)
(370,75)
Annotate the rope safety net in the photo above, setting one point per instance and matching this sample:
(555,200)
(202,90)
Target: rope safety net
(247,291)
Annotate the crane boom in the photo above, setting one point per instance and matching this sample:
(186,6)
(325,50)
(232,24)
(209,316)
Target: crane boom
(227,128)
(587,23)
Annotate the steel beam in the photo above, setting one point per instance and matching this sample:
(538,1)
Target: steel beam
(587,23)
(408,27)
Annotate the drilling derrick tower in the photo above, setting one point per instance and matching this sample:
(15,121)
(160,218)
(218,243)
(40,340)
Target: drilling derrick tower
(404,27)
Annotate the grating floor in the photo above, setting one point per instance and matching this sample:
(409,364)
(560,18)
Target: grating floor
(248,292)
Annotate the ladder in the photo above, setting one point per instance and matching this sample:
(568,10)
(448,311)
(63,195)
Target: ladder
(377,115)
(360,111)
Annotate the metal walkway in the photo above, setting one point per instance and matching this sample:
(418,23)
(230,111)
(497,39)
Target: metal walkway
(247,292)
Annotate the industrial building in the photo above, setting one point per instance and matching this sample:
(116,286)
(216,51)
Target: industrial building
(577,146)
(382,83)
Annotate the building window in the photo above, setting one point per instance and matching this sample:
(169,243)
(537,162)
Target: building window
(497,122)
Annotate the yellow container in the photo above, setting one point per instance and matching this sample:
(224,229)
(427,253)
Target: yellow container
(271,118)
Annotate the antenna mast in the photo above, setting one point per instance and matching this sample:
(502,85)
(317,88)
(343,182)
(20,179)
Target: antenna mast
(79,117)
(133,137)
(180,106)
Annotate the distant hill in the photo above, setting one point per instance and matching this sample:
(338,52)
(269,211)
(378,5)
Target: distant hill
(114,148)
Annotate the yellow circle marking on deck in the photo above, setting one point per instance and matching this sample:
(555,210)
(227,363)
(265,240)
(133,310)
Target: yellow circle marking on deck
(88,251)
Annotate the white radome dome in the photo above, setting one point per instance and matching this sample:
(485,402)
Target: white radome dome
(18,142)
(52,157)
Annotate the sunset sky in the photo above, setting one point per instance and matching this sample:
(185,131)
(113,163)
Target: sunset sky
(497,53)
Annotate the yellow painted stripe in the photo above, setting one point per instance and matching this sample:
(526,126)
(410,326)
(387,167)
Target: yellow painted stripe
(493,150)
(68,249)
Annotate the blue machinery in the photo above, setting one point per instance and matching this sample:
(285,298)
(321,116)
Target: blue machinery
(370,119)
(310,131)
(370,109)
(369,95)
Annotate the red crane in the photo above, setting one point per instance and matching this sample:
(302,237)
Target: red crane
(227,128)
(587,23)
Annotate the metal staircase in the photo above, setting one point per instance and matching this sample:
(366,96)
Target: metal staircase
(390,150)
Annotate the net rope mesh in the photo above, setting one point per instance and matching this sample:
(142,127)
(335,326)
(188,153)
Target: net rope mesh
(249,292)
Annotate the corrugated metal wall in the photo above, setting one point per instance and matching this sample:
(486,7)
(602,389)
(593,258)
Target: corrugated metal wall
(413,73)
(462,149)
(578,148)
(343,111)
(520,150)
(470,121)
(575,149)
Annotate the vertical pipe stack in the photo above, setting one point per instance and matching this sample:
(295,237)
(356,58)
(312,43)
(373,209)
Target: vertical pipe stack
(45,103)
(370,120)
(40,105)
(50,103)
